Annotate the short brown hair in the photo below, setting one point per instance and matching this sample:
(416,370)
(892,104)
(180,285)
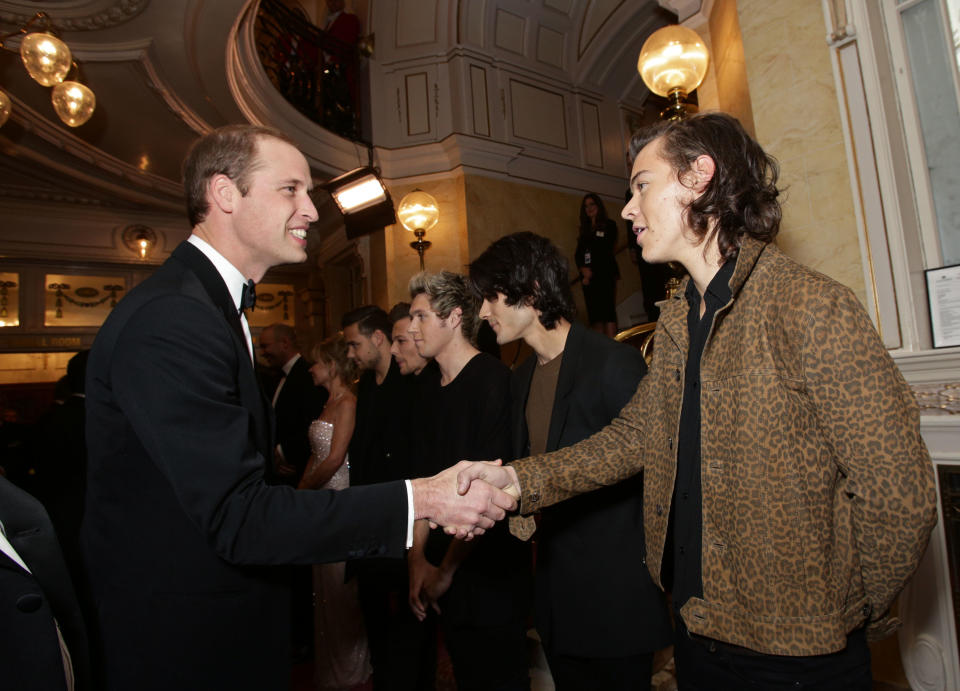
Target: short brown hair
(230,151)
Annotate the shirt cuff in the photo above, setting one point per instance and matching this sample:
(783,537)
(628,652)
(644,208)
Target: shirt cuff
(409,513)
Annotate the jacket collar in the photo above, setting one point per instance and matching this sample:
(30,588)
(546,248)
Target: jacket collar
(674,313)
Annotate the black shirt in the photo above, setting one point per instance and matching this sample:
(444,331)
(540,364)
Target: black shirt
(468,419)
(687,515)
(380,449)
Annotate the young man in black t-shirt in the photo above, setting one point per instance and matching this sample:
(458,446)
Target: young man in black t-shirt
(479,588)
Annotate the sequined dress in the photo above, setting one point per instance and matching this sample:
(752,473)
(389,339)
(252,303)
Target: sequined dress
(341,657)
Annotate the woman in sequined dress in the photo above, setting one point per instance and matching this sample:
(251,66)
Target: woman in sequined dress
(341,658)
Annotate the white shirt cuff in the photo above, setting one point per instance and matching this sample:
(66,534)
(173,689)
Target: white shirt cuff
(409,513)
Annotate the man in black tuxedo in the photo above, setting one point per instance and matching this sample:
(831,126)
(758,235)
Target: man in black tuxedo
(297,401)
(598,613)
(43,642)
(181,533)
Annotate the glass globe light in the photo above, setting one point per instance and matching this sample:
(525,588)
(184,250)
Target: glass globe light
(46,58)
(73,102)
(5,107)
(673,58)
(418,211)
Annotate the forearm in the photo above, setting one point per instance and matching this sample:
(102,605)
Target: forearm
(317,474)
(611,455)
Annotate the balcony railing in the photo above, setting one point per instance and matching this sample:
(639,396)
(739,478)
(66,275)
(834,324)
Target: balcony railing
(317,73)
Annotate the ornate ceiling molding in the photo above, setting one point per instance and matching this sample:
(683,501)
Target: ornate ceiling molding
(133,185)
(91,15)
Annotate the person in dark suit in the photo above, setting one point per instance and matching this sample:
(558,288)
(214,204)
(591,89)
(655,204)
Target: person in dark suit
(296,401)
(598,613)
(43,642)
(181,533)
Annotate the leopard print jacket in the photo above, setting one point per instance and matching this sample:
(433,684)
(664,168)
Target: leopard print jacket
(818,492)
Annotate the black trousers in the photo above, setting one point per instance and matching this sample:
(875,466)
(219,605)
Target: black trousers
(705,665)
(403,650)
(629,673)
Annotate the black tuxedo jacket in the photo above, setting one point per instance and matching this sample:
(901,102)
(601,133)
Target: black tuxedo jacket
(594,595)
(300,402)
(181,534)
(30,658)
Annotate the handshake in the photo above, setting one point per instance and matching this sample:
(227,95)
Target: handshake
(468,498)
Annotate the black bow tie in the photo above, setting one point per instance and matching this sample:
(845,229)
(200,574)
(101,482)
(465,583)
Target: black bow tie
(248,296)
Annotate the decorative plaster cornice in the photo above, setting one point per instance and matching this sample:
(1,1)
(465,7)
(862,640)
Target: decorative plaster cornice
(91,16)
(38,125)
(33,194)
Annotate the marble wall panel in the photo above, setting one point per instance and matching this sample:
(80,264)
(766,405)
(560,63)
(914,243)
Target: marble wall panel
(797,120)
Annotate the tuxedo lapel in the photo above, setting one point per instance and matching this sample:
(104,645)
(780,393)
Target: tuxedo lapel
(250,391)
(565,381)
(213,283)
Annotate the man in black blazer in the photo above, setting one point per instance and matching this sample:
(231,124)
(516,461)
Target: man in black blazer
(38,602)
(297,401)
(598,613)
(181,533)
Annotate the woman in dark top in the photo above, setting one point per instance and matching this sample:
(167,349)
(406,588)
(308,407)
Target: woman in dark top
(599,273)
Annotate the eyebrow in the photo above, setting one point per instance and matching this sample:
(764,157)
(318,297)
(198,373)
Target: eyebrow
(636,175)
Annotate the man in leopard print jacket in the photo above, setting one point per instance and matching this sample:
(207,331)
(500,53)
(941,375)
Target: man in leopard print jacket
(788,494)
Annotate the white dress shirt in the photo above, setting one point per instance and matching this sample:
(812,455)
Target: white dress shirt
(232,277)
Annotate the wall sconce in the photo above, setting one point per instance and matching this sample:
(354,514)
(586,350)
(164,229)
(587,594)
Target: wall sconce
(418,212)
(139,239)
(48,61)
(363,200)
(672,63)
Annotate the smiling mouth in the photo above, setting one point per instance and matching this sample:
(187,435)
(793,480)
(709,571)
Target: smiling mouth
(299,233)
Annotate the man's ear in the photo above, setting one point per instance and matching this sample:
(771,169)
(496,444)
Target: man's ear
(377,337)
(222,192)
(702,172)
(455,317)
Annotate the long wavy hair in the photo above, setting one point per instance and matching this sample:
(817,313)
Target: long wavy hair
(742,196)
(586,225)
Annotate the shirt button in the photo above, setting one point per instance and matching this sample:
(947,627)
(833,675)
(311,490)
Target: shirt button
(659,509)
(678,374)
(682,550)
(686,496)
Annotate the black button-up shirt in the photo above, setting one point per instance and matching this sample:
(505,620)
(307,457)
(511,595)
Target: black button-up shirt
(687,515)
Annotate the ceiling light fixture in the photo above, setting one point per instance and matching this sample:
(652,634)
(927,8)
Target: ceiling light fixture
(48,61)
(672,63)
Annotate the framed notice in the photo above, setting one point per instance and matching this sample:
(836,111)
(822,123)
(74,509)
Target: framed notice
(943,293)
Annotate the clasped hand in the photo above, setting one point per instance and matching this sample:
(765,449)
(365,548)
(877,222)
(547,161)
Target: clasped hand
(468,498)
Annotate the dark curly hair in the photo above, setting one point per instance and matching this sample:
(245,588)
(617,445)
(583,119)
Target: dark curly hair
(741,196)
(527,269)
